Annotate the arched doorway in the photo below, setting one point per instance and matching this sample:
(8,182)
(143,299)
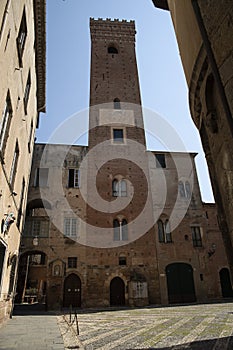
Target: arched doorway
(225,283)
(72,291)
(117,292)
(180,283)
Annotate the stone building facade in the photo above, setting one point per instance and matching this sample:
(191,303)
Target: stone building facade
(112,223)
(204,31)
(22,98)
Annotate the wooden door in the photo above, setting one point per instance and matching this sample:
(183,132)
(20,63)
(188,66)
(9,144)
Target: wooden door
(72,291)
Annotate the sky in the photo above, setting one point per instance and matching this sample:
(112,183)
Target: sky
(162,82)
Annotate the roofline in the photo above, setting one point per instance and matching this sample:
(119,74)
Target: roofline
(161,4)
(40,52)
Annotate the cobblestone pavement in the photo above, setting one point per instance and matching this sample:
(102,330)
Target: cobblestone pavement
(203,327)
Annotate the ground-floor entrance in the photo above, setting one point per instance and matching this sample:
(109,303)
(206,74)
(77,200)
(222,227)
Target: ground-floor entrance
(180,283)
(117,292)
(72,291)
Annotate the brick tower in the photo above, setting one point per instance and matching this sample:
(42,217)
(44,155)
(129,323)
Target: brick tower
(117,181)
(114,80)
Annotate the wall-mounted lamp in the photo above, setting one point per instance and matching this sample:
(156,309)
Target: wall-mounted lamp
(35,241)
(212,250)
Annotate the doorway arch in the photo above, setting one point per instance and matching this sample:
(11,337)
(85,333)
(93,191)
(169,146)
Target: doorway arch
(225,281)
(117,292)
(180,283)
(72,291)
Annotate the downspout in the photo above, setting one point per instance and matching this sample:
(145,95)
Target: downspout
(213,64)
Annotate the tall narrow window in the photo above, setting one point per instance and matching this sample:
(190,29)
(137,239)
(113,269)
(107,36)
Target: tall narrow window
(120,230)
(168,237)
(196,236)
(161,231)
(5,124)
(30,137)
(21,39)
(26,92)
(21,204)
(2,260)
(181,189)
(41,177)
(184,189)
(187,190)
(124,229)
(117,103)
(116,230)
(118,135)
(160,160)
(70,227)
(12,275)
(73,180)
(14,165)
(164,231)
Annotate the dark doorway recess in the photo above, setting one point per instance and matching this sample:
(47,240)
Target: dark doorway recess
(117,292)
(72,291)
(180,283)
(225,283)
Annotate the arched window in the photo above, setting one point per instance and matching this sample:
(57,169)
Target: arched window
(116,229)
(119,188)
(164,231)
(161,231)
(187,190)
(115,188)
(168,237)
(184,189)
(112,50)
(120,230)
(117,103)
(124,230)
(181,189)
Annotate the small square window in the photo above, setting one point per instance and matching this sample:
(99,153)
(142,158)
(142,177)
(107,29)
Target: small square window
(118,135)
(122,260)
(72,262)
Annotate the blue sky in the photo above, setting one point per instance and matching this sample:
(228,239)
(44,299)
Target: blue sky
(162,81)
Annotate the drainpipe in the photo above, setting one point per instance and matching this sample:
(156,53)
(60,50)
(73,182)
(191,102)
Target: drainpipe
(213,64)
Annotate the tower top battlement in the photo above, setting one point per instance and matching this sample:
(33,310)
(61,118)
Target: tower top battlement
(110,20)
(113,29)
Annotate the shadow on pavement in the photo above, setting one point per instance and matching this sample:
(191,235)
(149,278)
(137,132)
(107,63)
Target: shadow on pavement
(31,309)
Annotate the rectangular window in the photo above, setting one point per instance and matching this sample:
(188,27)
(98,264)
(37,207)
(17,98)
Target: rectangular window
(14,165)
(37,259)
(72,262)
(36,227)
(20,204)
(70,227)
(41,177)
(2,259)
(118,135)
(21,39)
(122,260)
(73,180)
(5,124)
(196,236)
(160,160)
(26,92)
(30,138)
